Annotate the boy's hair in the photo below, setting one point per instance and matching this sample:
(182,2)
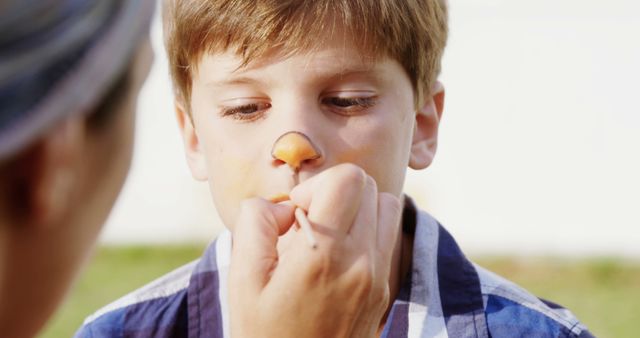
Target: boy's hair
(413,32)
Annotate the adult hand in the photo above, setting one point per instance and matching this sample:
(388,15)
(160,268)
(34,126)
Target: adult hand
(338,289)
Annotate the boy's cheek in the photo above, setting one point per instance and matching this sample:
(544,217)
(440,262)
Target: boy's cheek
(357,154)
(236,181)
(227,197)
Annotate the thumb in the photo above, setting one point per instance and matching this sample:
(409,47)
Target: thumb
(255,236)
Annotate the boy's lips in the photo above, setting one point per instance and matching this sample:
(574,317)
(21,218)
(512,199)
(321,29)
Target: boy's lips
(277,188)
(279,197)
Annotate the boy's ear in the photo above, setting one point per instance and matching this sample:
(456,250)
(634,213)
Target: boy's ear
(425,134)
(45,176)
(192,148)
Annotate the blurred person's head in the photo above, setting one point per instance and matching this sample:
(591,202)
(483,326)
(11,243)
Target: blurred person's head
(70,73)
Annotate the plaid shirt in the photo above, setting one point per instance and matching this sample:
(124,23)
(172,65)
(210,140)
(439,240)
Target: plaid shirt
(445,295)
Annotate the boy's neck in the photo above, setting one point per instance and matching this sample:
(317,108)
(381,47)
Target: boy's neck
(402,256)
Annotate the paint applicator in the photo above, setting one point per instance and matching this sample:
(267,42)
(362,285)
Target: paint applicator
(301,219)
(294,148)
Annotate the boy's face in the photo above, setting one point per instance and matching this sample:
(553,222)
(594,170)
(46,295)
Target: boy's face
(352,110)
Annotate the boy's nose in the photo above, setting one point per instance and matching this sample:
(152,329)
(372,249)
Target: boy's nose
(294,148)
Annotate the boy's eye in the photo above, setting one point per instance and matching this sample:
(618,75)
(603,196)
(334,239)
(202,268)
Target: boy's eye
(350,104)
(246,112)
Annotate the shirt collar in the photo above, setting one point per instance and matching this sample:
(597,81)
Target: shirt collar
(207,292)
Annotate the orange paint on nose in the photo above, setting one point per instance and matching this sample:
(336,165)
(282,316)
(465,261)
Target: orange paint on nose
(293,148)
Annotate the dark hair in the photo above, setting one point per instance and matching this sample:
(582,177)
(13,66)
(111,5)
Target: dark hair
(112,99)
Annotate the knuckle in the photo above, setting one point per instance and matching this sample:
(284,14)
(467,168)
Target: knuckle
(381,295)
(371,182)
(363,277)
(253,212)
(352,173)
(390,201)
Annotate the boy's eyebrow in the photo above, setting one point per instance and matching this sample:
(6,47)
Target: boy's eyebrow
(365,71)
(360,71)
(232,81)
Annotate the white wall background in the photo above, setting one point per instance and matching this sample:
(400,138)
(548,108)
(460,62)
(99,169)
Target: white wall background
(539,148)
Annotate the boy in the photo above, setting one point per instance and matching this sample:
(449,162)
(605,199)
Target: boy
(321,104)
(70,73)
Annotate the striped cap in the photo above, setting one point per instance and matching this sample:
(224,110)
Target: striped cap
(59,57)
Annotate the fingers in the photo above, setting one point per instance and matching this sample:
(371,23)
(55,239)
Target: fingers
(364,228)
(332,198)
(255,235)
(345,278)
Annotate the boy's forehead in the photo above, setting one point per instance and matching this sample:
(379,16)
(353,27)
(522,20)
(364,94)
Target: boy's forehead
(327,62)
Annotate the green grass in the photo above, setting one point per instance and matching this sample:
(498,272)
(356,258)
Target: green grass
(603,293)
(113,272)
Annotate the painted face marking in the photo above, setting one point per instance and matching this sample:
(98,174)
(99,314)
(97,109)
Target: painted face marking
(293,148)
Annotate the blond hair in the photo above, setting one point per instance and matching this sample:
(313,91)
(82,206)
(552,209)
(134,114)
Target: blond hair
(413,32)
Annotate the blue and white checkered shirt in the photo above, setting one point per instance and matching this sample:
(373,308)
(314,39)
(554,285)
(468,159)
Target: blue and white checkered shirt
(445,295)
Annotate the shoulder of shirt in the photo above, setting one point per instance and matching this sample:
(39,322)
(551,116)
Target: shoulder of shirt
(109,318)
(510,310)
(505,301)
